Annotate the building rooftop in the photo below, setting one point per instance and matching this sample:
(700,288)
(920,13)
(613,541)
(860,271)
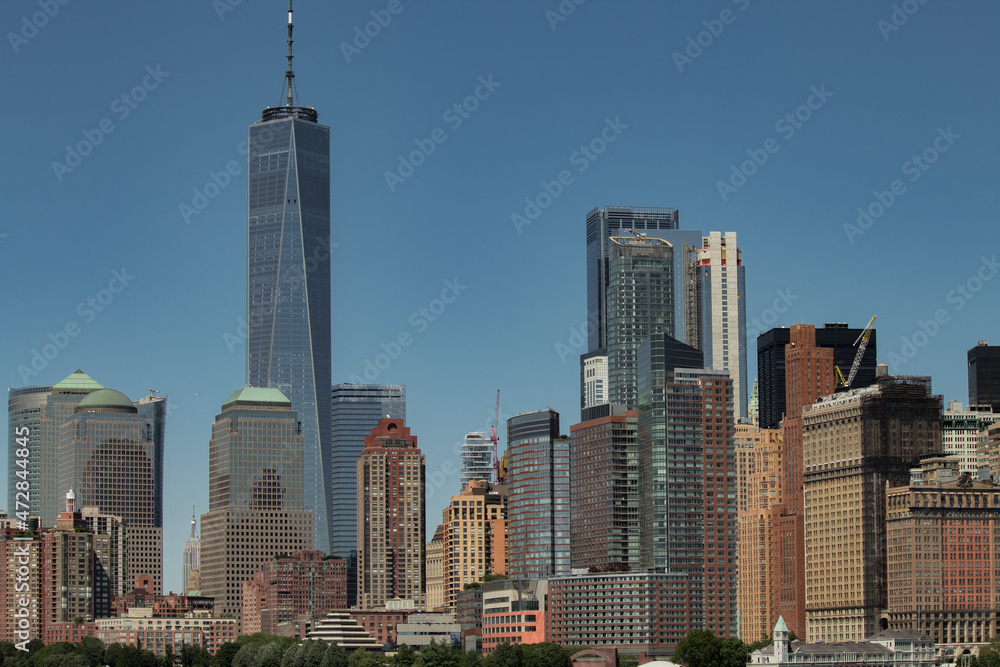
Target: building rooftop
(104,399)
(76,382)
(257,396)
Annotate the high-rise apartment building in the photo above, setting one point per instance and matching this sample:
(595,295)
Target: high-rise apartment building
(948,591)
(604,504)
(477,459)
(192,555)
(68,568)
(962,432)
(763,488)
(854,444)
(111,577)
(716,310)
(474,537)
(21,592)
(288,279)
(255,493)
(391,517)
(303,583)
(538,484)
(984,375)
(639,303)
(809,375)
(687,485)
(111,456)
(355,410)
(771,365)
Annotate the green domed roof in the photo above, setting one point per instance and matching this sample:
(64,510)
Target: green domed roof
(105,398)
(76,382)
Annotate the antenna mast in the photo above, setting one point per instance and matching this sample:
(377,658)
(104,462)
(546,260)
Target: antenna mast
(289,73)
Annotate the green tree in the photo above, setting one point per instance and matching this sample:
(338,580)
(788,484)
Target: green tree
(312,653)
(443,655)
(732,652)
(699,648)
(245,656)
(335,656)
(544,654)
(504,655)
(361,658)
(404,657)
(471,659)
(268,655)
(93,649)
(223,656)
(292,656)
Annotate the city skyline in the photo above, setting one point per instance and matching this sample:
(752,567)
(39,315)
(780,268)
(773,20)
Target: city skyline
(136,289)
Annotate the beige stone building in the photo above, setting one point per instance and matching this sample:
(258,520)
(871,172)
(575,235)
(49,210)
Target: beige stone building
(761,484)
(854,443)
(435,570)
(475,537)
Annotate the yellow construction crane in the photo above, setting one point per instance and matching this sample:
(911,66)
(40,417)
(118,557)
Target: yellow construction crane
(863,339)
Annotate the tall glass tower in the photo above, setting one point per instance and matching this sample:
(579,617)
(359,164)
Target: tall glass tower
(355,410)
(288,278)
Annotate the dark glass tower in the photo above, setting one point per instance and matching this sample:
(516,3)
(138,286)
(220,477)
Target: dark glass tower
(288,279)
(355,410)
(984,375)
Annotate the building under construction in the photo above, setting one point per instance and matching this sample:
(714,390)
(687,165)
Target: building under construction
(854,445)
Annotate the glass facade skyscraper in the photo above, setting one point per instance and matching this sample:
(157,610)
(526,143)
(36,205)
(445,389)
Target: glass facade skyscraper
(355,410)
(538,485)
(640,302)
(288,281)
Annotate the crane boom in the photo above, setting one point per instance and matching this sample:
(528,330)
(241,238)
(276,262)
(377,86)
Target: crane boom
(497,477)
(863,340)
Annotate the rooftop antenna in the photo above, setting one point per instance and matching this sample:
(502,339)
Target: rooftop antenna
(289,73)
(193,521)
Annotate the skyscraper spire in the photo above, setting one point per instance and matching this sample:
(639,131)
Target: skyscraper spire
(193,523)
(289,73)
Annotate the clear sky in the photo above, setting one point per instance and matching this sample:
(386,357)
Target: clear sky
(641,103)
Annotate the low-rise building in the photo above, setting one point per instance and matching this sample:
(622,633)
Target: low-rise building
(381,623)
(469,610)
(513,612)
(422,628)
(141,626)
(889,648)
(630,611)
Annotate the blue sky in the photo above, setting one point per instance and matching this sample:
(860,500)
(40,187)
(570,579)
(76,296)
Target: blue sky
(692,90)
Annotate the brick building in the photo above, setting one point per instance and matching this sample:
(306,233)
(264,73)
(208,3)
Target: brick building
(304,583)
(474,537)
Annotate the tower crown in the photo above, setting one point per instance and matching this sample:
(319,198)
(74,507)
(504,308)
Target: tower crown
(289,110)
